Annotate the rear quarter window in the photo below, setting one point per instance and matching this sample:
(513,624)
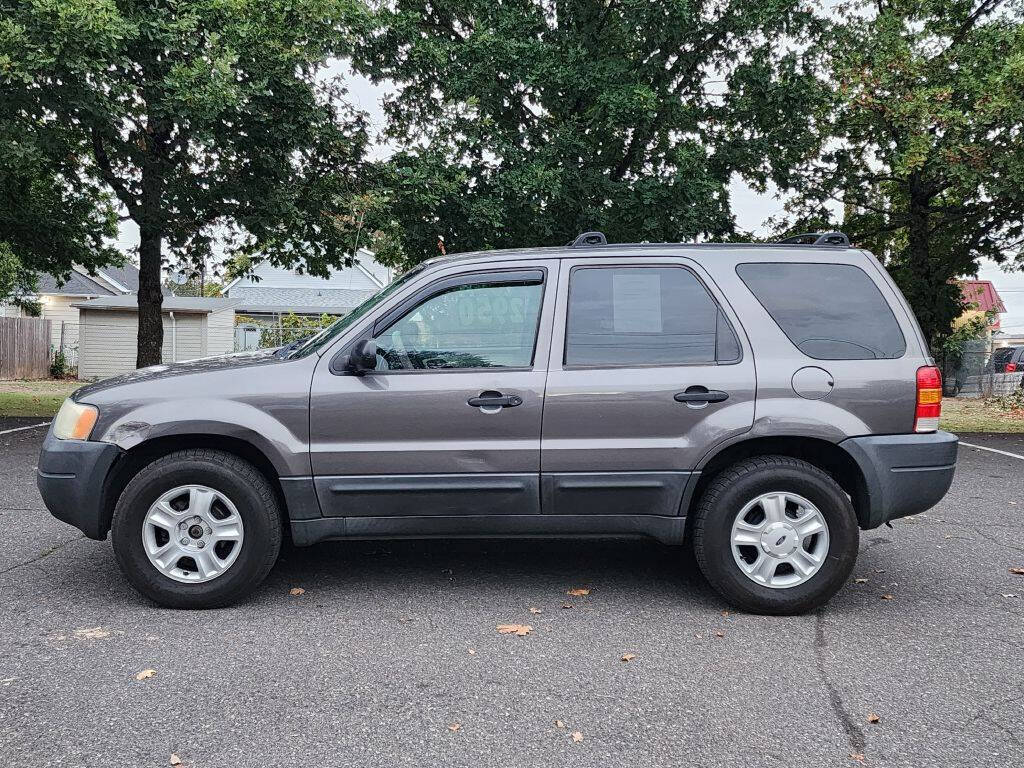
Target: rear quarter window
(828,311)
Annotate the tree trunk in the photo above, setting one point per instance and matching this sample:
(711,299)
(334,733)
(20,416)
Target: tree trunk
(151,299)
(925,295)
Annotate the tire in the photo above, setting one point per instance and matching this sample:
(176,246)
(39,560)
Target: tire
(239,490)
(794,482)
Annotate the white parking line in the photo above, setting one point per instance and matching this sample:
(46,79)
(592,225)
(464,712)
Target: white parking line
(993,450)
(19,429)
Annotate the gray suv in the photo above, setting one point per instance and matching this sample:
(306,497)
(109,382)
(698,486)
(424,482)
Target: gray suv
(762,402)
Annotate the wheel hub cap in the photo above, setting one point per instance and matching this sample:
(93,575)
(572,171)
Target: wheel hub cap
(779,540)
(192,533)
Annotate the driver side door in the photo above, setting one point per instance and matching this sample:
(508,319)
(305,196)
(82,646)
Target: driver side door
(448,422)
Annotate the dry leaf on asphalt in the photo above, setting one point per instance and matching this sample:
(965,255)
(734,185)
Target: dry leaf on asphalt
(887,597)
(578,592)
(454,727)
(858,756)
(295,591)
(175,760)
(628,656)
(719,633)
(472,651)
(145,674)
(515,629)
(92,633)
(1017,571)
(577,736)
(860,581)
(559,724)
(1009,594)
(535,610)
(873,718)
(566,606)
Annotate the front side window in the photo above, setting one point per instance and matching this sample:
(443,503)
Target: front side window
(828,311)
(481,325)
(635,316)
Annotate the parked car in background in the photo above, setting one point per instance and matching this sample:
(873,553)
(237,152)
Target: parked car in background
(764,401)
(1008,359)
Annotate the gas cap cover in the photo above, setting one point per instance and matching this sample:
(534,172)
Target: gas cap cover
(813,383)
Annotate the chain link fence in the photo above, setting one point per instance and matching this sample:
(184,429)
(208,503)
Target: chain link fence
(981,370)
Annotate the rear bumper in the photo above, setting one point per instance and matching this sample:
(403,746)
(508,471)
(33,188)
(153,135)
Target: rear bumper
(71,476)
(904,474)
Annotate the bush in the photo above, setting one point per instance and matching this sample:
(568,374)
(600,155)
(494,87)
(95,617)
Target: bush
(59,368)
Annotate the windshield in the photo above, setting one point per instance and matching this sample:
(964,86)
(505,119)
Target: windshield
(323,338)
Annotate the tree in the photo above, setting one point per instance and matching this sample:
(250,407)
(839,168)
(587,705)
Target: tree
(526,122)
(52,214)
(209,120)
(925,144)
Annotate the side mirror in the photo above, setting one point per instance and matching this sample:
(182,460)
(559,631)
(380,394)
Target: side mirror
(363,357)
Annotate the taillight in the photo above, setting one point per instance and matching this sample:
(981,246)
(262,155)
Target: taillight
(1011,367)
(929,399)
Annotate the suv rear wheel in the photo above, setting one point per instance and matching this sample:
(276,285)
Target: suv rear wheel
(197,529)
(775,535)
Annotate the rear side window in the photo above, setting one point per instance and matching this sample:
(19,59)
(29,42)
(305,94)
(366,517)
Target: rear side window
(632,316)
(828,311)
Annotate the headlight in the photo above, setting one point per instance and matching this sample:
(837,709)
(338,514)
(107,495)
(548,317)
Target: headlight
(74,420)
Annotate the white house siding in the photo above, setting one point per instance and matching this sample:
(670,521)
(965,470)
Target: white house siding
(57,309)
(107,339)
(220,333)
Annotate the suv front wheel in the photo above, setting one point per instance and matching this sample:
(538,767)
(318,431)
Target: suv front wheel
(775,535)
(197,529)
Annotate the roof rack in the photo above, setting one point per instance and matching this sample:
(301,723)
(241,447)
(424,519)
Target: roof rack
(589,238)
(817,238)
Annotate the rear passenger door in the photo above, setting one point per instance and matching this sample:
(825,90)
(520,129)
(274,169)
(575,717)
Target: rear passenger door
(648,370)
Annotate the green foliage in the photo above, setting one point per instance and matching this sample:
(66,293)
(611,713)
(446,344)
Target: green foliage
(209,120)
(922,142)
(59,368)
(292,328)
(953,344)
(526,122)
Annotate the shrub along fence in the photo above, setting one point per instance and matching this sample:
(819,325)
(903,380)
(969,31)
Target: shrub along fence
(24,348)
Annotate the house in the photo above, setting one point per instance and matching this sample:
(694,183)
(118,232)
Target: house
(269,292)
(108,330)
(982,297)
(57,301)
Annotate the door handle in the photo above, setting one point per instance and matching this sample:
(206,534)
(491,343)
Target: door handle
(701,395)
(495,400)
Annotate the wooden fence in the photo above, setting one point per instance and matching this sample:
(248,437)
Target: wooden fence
(24,348)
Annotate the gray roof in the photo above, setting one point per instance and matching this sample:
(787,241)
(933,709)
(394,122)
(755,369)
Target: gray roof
(77,285)
(185,305)
(127,275)
(298,300)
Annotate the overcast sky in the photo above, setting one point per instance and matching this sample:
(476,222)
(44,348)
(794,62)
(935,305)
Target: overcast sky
(751,209)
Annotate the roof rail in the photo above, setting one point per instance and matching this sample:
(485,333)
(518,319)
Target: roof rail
(817,238)
(589,238)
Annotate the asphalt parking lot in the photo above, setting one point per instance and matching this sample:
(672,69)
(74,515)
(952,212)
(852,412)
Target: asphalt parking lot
(391,656)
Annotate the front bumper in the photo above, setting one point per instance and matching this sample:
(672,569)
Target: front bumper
(904,474)
(71,476)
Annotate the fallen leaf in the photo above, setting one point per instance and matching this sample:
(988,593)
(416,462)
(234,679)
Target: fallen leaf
(628,656)
(1010,594)
(404,619)
(92,633)
(145,674)
(577,736)
(873,718)
(860,581)
(1017,571)
(858,756)
(472,651)
(175,760)
(535,610)
(719,633)
(559,724)
(566,606)
(454,727)
(515,629)
(725,614)
(887,597)
(578,592)
(296,591)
